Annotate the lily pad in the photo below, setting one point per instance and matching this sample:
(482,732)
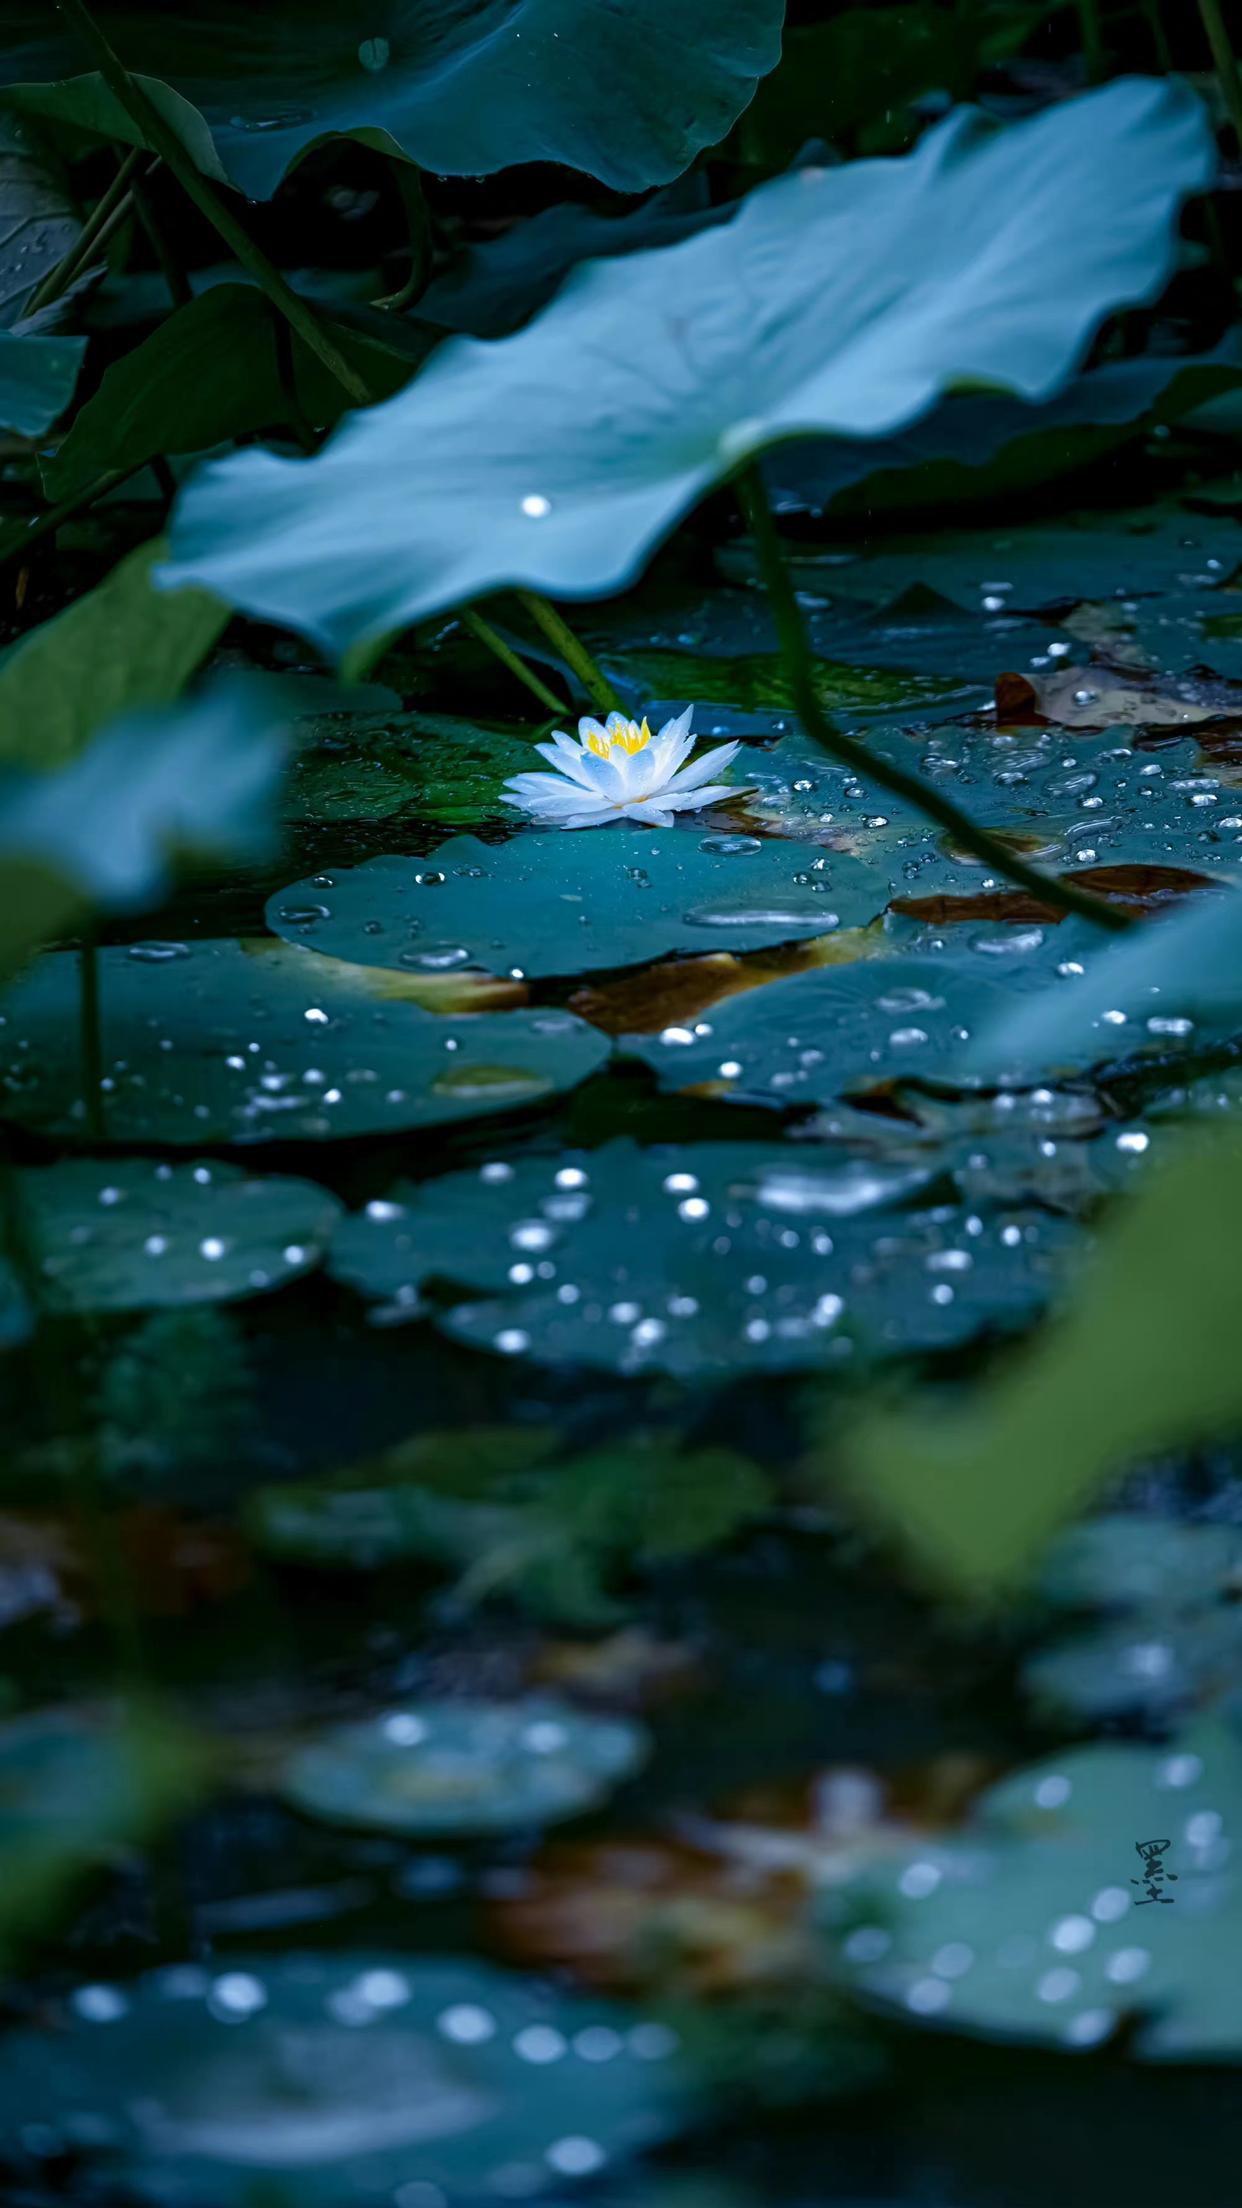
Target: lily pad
(437,766)
(1172,1632)
(1033,1925)
(813,1037)
(504,463)
(135,1234)
(460,88)
(701,1261)
(256,1042)
(440,1768)
(350,2075)
(567,901)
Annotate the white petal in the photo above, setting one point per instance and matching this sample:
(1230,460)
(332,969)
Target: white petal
(650,814)
(670,750)
(709,762)
(692,801)
(591,820)
(678,727)
(587,726)
(567,758)
(617,724)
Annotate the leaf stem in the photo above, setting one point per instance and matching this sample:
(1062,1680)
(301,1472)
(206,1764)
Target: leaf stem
(91,1040)
(508,658)
(15,541)
(1092,34)
(572,650)
(799,667)
(1226,62)
(418,223)
(96,230)
(163,139)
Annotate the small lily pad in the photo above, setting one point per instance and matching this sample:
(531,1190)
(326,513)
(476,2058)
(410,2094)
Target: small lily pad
(359,2076)
(464,1767)
(811,1038)
(135,1234)
(701,1261)
(440,768)
(1033,1924)
(571,901)
(229,1041)
(1171,1636)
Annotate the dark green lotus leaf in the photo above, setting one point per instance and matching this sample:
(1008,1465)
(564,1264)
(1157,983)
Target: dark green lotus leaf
(237,1042)
(210,373)
(1035,1925)
(756,682)
(809,1039)
(1023,566)
(441,1768)
(1171,1635)
(38,377)
(436,766)
(987,447)
(463,87)
(506,463)
(569,901)
(701,1261)
(345,2076)
(133,1234)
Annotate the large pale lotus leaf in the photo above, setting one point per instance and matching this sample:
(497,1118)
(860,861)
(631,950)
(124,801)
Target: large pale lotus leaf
(628,90)
(702,1261)
(235,1042)
(567,901)
(1034,1924)
(840,301)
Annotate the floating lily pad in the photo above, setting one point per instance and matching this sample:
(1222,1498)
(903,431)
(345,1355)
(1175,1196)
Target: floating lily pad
(1034,1926)
(252,1042)
(568,901)
(811,1038)
(464,1767)
(701,1261)
(134,1234)
(442,769)
(1172,1633)
(353,2075)
(611,88)
(504,463)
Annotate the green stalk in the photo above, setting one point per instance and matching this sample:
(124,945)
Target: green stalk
(163,139)
(15,541)
(508,658)
(1226,62)
(179,290)
(1092,33)
(91,1041)
(1062,896)
(95,231)
(572,651)
(418,223)
(1159,37)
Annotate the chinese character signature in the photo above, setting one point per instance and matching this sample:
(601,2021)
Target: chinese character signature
(1154,1873)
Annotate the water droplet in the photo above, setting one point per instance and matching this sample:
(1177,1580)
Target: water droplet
(157,954)
(535,506)
(373,53)
(303,916)
(728,846)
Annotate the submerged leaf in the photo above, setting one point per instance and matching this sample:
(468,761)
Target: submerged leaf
(842,301)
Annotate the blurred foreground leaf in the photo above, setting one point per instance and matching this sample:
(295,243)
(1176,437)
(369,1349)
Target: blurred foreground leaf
(196,782)
(1144,1359)
(122,645)
(75,1789)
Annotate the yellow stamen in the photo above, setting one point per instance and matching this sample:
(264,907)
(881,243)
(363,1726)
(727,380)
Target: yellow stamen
(626,735)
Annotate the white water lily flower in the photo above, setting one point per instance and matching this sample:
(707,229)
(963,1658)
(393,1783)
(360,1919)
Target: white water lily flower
(621,772)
